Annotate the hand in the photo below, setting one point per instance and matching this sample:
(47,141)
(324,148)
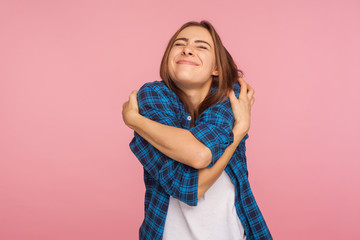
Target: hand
(241,107)
(130,109)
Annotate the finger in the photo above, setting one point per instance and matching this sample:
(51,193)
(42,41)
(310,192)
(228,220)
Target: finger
(251,93)
(252,101)
(232,96)
(134,92)
(125,106)
(133,96)
(250,87)
(243,89)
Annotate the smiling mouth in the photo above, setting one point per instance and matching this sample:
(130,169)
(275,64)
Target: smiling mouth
(186,62)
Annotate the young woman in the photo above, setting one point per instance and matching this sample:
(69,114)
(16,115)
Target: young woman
(190,131)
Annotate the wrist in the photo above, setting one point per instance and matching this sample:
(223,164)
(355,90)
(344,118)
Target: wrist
(238,133)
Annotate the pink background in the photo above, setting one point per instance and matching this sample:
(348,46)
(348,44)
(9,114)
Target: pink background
(66,67)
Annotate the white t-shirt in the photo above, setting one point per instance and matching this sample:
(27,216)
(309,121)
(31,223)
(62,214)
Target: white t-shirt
(213,218)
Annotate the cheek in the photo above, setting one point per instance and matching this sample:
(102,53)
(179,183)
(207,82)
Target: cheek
(212,61)
(209,61)
(173,52)
(172,55)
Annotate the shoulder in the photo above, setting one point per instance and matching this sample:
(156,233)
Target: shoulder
(156,95)
(155,88)
(218,113)
(225,106)
(223,109)
(221,113)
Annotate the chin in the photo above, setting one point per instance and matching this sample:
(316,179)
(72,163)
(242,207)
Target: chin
(182,78)
(187,80)
(189,83)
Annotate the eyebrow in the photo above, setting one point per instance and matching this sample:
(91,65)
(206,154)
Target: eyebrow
(197,41)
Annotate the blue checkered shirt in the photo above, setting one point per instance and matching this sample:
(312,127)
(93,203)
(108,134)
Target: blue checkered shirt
(164,176)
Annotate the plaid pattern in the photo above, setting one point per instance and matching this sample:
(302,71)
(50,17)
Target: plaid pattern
(164,177)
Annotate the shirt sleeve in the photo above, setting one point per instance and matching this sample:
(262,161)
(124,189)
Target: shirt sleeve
(214,129)
(177,179)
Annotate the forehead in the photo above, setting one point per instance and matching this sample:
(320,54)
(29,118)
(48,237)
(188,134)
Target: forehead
(196,33)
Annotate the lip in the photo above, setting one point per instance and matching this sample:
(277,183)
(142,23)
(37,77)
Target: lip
(187,62)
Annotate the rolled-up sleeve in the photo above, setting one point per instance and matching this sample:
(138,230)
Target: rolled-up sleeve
(177,179)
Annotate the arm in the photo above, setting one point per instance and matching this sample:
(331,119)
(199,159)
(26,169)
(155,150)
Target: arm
(157,134)
(156,122)
(241,108)
(208,176)
(176,143)
(176,179)
(168,171)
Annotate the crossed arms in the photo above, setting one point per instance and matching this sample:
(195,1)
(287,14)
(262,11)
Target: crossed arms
(177,158)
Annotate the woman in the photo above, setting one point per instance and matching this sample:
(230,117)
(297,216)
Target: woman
(190,138)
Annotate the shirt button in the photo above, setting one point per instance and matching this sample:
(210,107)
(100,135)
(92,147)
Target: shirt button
(189,118)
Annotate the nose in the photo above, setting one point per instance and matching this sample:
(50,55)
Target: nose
(187,51)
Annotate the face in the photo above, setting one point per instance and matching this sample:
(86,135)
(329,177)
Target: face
(192,59)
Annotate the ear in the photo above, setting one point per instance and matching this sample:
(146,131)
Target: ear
(215,72)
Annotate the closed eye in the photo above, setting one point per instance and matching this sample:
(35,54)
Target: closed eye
(181,44)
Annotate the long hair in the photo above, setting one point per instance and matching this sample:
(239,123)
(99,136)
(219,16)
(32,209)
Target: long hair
(227,69)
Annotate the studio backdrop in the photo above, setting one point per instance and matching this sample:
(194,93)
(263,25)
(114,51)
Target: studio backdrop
(66,68)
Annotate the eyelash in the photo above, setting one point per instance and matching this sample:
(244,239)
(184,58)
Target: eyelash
(178,44)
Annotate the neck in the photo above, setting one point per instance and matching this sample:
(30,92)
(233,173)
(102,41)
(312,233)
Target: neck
(196,95)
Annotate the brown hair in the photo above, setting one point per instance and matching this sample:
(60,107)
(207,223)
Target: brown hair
(227,69)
